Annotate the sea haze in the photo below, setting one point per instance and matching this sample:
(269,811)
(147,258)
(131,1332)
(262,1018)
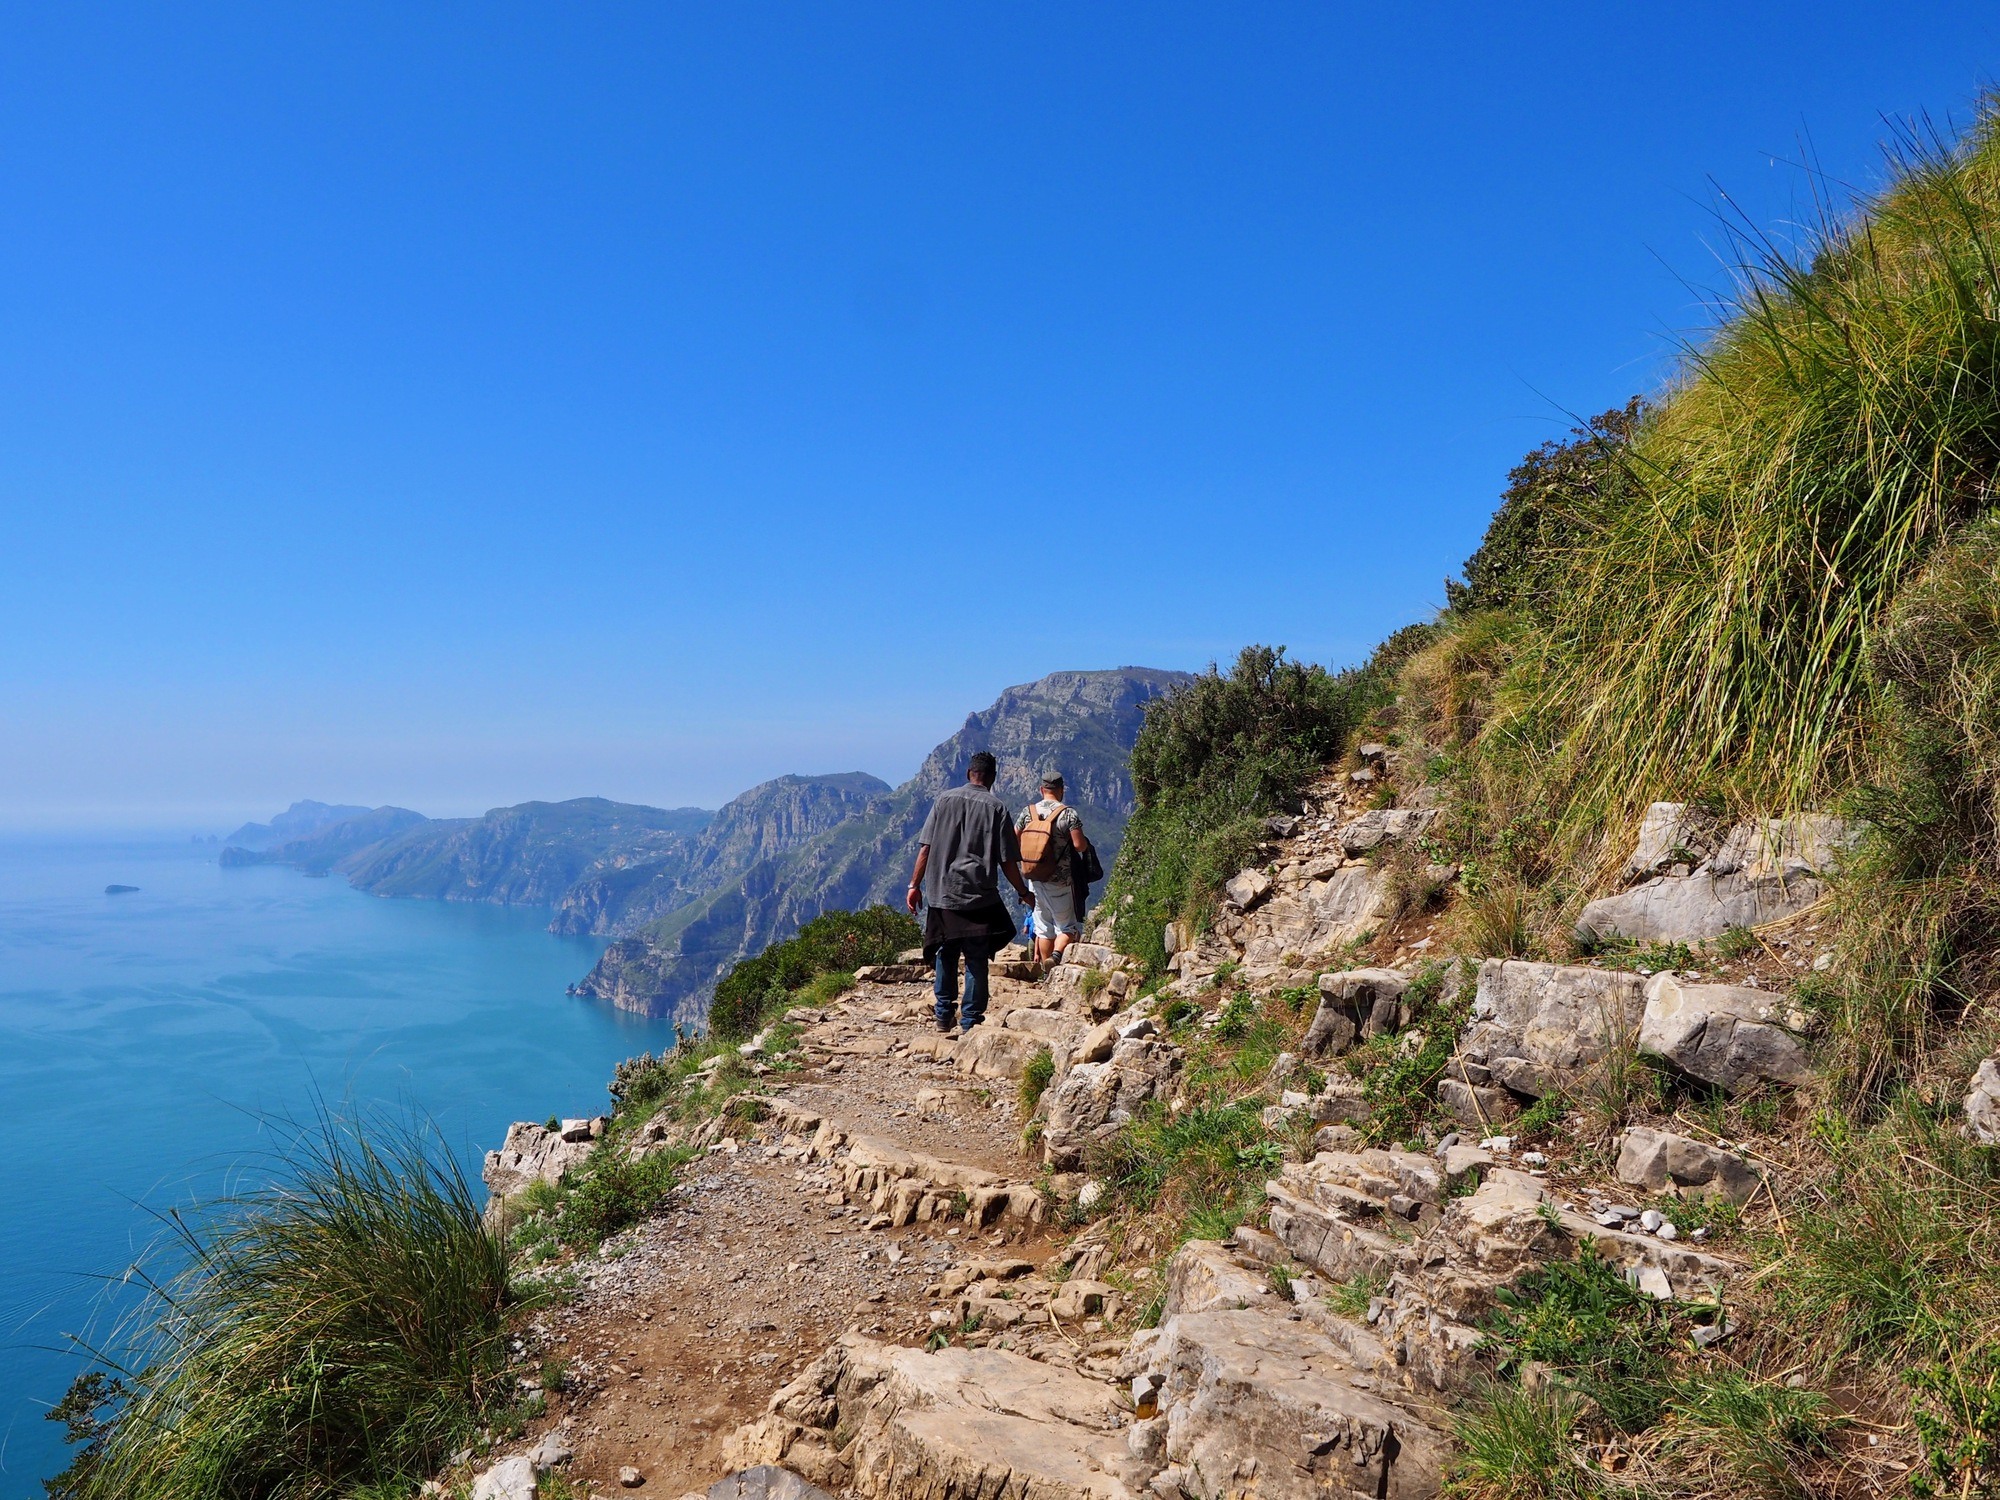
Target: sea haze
(148,1038)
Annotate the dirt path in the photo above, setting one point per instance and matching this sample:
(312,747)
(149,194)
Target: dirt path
(763,1260)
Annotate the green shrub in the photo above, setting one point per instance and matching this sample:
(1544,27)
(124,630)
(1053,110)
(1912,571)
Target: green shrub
(612,1191)
(342,1327)
(1604,1338)
(1551,496)
(1215,757)
(1036,1078)
(1517,1445)
(835,943)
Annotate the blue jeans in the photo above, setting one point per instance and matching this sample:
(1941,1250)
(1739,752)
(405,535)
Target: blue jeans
(946,987)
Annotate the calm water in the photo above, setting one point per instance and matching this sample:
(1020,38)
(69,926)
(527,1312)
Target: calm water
(144,1037)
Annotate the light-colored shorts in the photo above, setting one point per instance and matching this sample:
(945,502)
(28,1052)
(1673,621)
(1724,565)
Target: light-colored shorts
(1055,910)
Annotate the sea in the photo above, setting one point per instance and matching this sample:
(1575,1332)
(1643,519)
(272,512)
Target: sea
(155,1044)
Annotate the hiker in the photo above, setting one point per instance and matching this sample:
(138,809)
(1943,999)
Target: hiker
(967,843)
(1052,849)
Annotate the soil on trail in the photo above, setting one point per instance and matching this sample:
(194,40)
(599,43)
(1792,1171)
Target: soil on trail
(694,1320)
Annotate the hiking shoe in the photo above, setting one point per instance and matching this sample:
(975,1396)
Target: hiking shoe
(947,1028)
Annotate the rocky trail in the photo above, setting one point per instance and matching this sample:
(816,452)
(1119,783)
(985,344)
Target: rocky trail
(888,1282)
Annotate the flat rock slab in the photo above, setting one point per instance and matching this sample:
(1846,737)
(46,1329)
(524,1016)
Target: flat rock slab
(959,1424)
(765,1482)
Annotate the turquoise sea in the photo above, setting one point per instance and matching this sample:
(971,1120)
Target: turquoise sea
(147,1041)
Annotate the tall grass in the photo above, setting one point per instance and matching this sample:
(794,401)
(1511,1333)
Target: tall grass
(1711,633)
(340,1327)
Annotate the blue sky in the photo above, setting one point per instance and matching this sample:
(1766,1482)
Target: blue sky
(452,405)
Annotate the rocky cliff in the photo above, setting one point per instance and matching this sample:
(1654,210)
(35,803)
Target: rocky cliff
(1083,722)
(301,820)
(355,834)
(764,823)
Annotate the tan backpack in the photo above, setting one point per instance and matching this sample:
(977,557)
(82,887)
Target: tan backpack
(1044,852)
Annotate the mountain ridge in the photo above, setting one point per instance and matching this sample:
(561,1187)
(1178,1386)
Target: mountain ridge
(1082,722)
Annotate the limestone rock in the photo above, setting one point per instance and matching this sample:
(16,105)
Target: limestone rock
(510,1479)
(1982,1103)
(552,1451)
(1765,871)
(958,1424)
(996,1051)
(1725,1034)
(1532,1023)
(1247,888)
(1094,1099)
(1657,1160)
(532,1153)
(1356,1003)
(1259,1405)
(630,1477)
(1384,825)
(1668,833)
(1202,1274)
(765,1482)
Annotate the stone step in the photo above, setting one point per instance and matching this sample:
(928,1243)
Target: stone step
(957,1424)
(907,1185)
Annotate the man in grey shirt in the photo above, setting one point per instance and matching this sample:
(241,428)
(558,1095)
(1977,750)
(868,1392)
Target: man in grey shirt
(967,843)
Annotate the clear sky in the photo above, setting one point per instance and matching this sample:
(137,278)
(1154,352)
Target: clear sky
(451,405)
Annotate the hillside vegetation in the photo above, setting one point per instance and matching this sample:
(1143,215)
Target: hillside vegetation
(1773,588)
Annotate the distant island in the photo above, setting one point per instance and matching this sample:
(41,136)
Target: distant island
(119,890)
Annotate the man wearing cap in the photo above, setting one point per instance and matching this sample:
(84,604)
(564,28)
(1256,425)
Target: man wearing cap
(1057,921)
(967,843)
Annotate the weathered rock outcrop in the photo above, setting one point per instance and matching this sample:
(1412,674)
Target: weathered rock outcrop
(1725,1034)
(1094,1099)
(1763,871)
(1533,1023)
(534,1153)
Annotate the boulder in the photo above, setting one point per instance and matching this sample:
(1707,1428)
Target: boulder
(510,1479)
(1982,1103)
(1659,1161)
(533,1153)
(1094,1099)
(1534,1024)
(896,973)
(1725,1034)
(957,1424)
(1258,1405)
(765,1482)
(996,1051)
(1247,888)
(1765,871)
(1384,825)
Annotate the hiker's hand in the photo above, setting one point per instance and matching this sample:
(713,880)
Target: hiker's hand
(911,900)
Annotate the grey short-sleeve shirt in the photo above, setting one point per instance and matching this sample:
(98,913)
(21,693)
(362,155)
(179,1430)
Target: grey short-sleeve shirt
(970,836)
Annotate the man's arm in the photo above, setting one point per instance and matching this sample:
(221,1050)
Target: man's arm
(1012,870)
(1076,838)
(917,876)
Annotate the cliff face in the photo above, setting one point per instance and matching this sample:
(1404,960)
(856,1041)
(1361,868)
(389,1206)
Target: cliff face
(299,821)
(353,835)
(764,823)
(1082,722)
(531,854)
